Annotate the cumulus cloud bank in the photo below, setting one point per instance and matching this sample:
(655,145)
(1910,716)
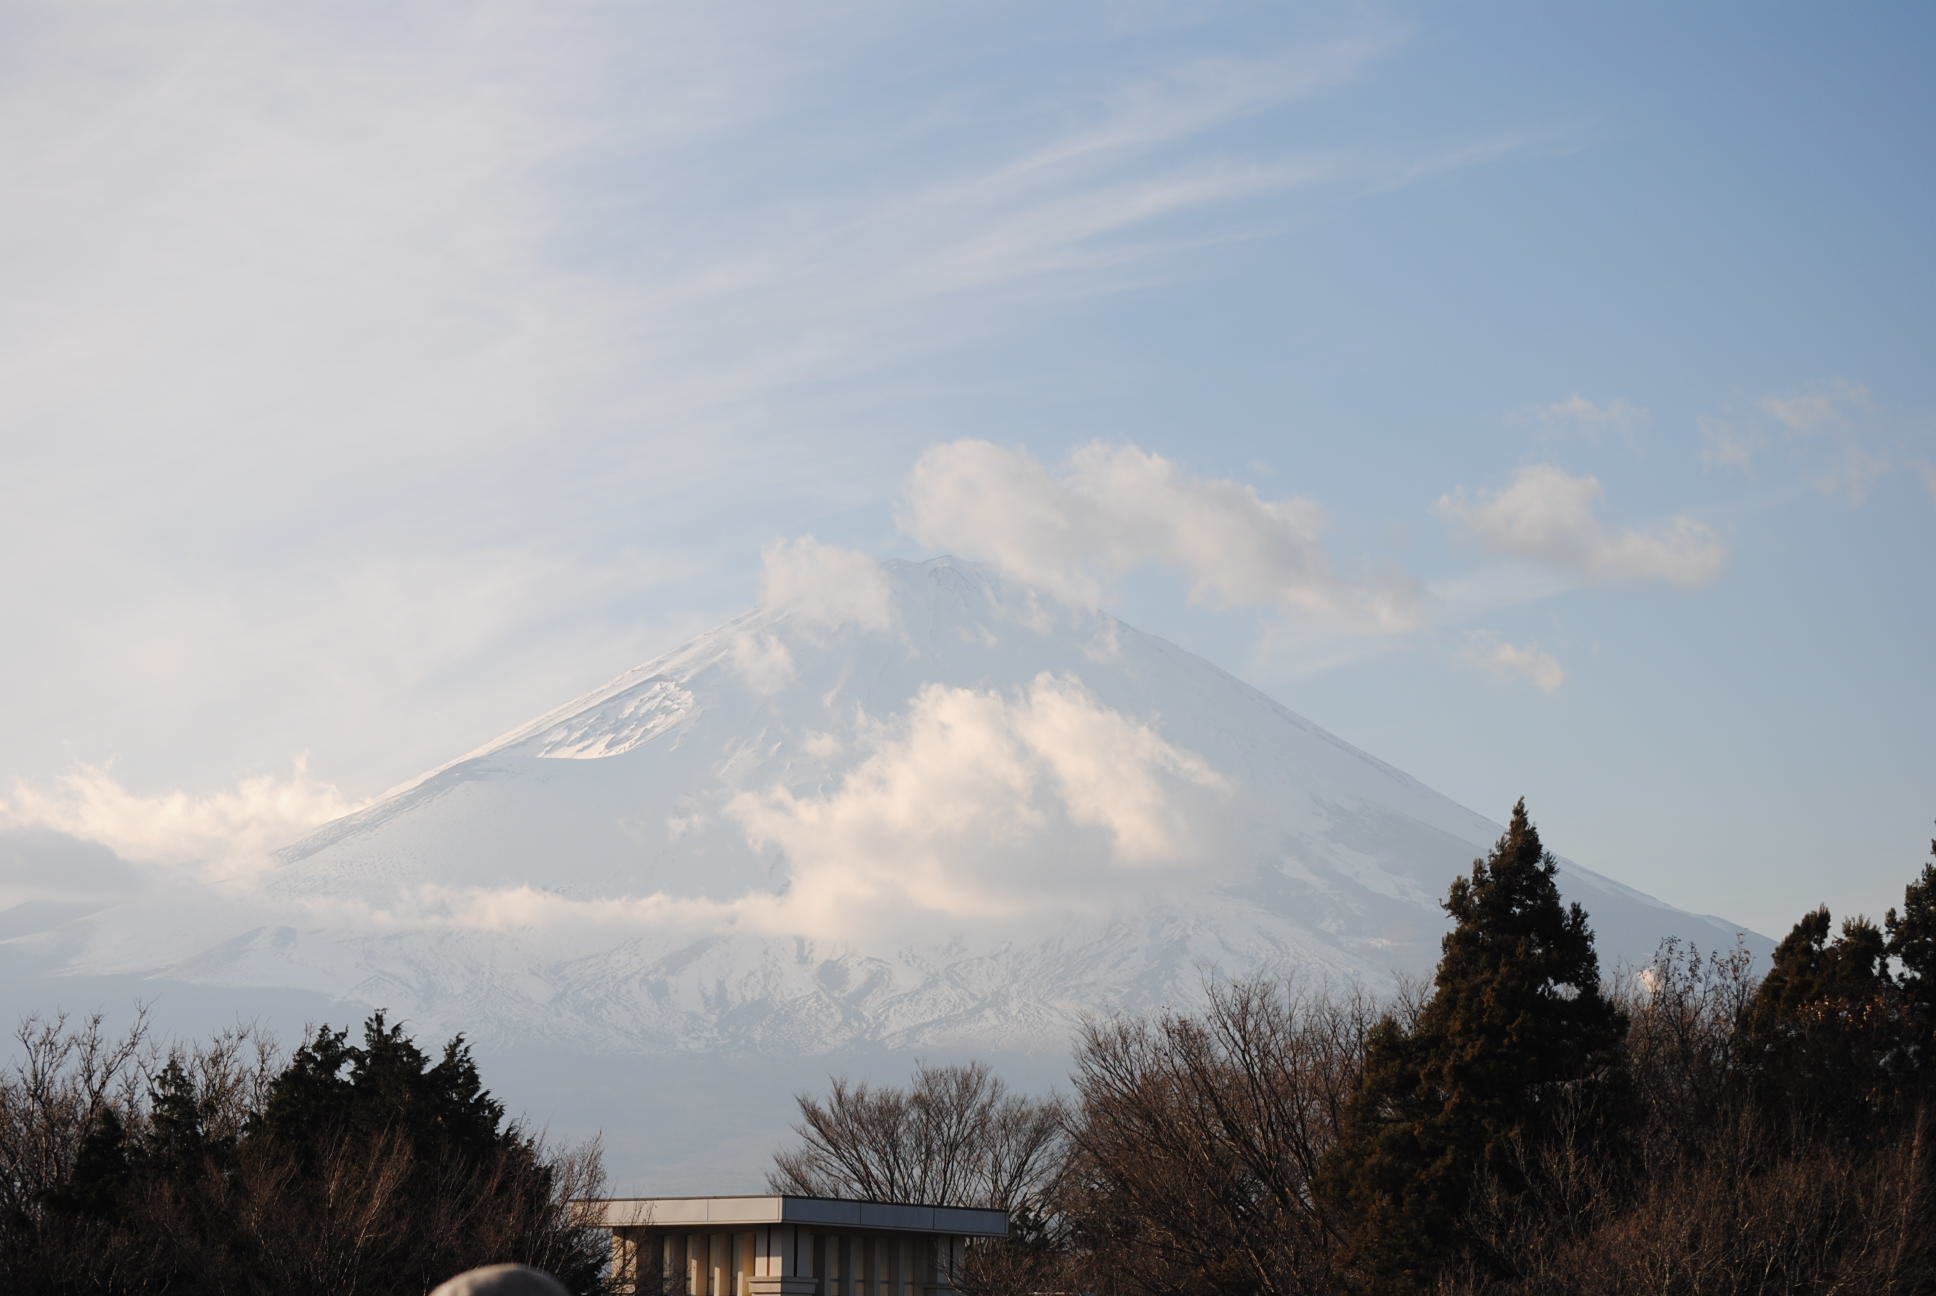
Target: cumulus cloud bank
(1550,516)
(1107,510)
(224,835)
(977,804)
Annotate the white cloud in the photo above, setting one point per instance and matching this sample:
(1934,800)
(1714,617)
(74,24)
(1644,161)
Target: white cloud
(1550,516)
(979,805)
(1831,431)
(824,585)
(217,836)
(822,745)
(1929,478)
(1109,509)
(1854,472)
(1578,414)
(518,908)
(1828,407)
(1726,444)
(763,661)
(1510,661)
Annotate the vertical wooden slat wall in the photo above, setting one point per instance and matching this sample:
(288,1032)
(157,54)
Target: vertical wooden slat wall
(724,1261)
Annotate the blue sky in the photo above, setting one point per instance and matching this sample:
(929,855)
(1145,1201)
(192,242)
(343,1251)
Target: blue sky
(375,380)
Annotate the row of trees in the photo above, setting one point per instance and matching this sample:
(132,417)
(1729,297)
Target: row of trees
(349,1167)
(1517,1126)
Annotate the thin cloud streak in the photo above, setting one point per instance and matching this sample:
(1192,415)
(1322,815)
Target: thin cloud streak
(1509,661)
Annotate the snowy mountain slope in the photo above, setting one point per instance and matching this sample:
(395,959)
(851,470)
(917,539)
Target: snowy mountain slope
(957,814)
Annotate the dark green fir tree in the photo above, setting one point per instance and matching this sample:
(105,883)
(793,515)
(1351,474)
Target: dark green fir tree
(1912,944)
(97,1185)
(179,1146)
(1822,1036)
(1516,1041)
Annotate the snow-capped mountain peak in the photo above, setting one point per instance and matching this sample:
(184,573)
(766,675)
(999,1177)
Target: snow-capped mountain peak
(931,806)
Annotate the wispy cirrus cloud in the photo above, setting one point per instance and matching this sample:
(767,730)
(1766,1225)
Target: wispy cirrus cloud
(458,284)
(1578,415)
(1835,432)
(1509,661)
(1827,407)
(1727,442)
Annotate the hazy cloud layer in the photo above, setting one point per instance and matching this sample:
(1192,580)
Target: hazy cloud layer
(527,286)
(45,864)
(1550,516)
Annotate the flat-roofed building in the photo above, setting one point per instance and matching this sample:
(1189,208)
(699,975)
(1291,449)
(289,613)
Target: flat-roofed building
(786,1246)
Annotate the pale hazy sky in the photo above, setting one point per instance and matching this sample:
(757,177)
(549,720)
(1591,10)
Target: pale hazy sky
(1538,396)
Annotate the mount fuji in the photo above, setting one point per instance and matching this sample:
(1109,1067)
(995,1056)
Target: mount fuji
(916,808)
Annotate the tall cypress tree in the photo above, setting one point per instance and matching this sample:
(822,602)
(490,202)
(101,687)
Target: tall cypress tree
(1516,1036)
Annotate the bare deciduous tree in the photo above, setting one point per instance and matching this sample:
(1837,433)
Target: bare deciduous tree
(1198,1137)
(955,1136)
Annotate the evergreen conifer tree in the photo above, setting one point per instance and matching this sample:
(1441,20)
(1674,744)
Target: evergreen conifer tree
(101,1171)
(1823,1033)
(1516,1038)
(387,1085)
(311,1097)
(1912,944)
(178,1146)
